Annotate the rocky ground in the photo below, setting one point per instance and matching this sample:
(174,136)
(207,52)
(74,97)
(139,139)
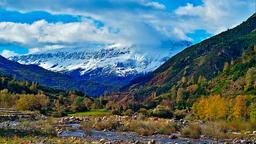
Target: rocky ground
(36,128)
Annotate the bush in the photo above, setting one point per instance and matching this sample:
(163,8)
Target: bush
(150,127)
(162,111)
(143,111)
(214,130)
(108,124)
(128,112)
(192,131)
(180,114)
(87,126)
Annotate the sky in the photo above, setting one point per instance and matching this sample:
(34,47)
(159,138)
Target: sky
(30,26)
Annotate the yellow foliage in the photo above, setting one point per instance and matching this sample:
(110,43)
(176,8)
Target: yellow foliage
(211,108)
(216,107)
(240,108)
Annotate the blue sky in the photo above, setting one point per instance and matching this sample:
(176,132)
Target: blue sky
(28,26)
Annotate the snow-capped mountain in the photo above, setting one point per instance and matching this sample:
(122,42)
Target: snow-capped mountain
(108,64)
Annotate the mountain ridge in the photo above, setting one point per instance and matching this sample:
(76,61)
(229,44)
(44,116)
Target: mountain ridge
(34,73)
(114,65)
(205,59)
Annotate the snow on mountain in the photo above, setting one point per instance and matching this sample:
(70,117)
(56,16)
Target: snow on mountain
(115,63)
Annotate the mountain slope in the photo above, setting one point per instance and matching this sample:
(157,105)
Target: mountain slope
(203,60)
(113,64)
(47,78)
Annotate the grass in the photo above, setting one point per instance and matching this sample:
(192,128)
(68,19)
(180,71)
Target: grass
(141,126)
(96,112)
(191,131)
(220,130)
(51,140)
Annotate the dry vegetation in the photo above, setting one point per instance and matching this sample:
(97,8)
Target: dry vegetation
(140,125)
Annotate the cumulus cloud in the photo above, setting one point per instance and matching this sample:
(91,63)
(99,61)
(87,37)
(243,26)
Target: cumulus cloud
(42,33)
(214,15)
(141,22)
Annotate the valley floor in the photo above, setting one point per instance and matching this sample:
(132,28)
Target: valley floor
(118,129)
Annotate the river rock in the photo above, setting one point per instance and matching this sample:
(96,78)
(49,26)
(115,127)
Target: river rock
(173,136)
(152,142)
(59,132)
(102,140)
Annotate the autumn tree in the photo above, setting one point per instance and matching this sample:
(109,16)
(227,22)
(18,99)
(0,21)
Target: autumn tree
(180,95)
(250,78)
(226,67)
(26,102)
(201,80)
(33,86)
(7,100)
(41,101)
(252,112)
(173,93)
(211,108)
(239,108)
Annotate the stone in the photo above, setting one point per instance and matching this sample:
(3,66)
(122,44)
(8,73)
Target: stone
(152,142)
(173,136)
(102,140)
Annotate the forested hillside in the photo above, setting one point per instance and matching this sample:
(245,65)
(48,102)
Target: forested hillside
(219,70)
(203,60)
(24,95)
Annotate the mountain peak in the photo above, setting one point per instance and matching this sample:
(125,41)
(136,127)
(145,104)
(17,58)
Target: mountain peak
(113,64)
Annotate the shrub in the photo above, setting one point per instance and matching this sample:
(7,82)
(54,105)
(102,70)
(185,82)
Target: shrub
(87,126)
(214,130)
(128,112)
(162,111)
(149,127)
(143,111)
(192,131)
(180,114)
(108,124)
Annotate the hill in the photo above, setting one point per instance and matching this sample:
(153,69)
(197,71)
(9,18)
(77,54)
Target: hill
(24,95)
(34,73)
(203,60)
(223,66)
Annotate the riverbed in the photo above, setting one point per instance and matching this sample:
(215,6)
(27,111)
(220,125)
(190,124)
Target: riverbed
(126,136)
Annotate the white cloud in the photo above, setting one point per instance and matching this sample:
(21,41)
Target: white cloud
(156,5)
(51,35)
(141,22)
(214,16)
(7,53)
